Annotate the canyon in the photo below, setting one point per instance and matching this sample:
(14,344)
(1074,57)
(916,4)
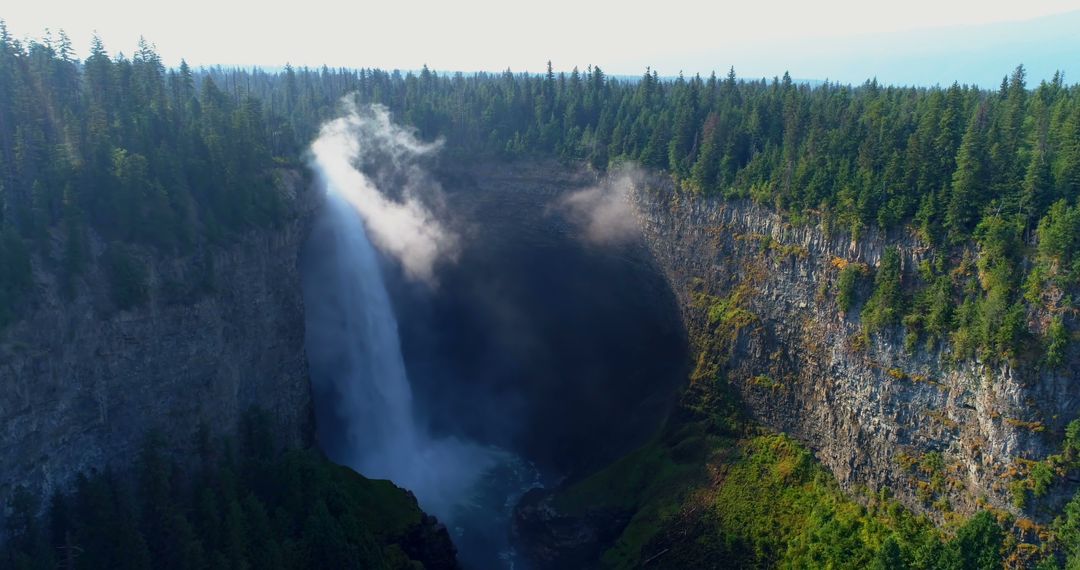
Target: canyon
(82,383)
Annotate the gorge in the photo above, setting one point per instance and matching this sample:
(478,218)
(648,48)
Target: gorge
(517,362)
(583,321)
(521,253)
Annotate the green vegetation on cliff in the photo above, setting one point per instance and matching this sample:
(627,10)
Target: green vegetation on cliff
(713,490)
(698,498)
(243,506)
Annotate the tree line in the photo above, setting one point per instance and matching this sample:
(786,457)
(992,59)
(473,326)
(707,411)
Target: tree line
(176,158)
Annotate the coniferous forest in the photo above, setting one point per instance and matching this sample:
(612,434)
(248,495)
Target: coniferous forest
(245,505)
(122,149)
(177,158)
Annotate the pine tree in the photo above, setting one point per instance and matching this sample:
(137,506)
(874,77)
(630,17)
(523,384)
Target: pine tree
(886,305)
(968,181)
(1067,173)
(1037,187)
(706,170)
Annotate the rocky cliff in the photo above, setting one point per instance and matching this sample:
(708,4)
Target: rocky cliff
(942,437)
(82,383)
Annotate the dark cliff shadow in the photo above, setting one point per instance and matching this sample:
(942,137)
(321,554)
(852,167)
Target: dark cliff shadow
(567,353)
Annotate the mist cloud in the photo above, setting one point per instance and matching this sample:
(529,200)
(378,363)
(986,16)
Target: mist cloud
(603,212)
(376,166)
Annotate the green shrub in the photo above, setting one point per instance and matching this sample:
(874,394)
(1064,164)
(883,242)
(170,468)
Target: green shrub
(847,283)
(1018,491)
(1067,532)
(1057,341)
(1071,445)
(977,544)
(1042,476)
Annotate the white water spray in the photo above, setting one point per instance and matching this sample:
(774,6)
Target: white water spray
(363,397)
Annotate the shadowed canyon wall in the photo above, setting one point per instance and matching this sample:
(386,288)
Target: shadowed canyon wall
(82,383)
(536,340)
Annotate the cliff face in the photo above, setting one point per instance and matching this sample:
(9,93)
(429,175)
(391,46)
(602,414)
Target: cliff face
(940,436)
(81,383)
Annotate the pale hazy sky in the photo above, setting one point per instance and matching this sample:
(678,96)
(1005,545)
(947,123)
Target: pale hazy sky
(622,37)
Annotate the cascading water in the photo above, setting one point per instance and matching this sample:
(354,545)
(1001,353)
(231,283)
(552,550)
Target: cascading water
(356,363)
(363,399)
(375,391)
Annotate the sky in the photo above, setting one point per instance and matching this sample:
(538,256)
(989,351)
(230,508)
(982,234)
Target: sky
(844,40)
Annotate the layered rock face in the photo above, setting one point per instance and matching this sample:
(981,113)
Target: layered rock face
(940,436)
(82,384)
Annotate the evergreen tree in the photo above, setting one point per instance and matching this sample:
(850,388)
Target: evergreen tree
(969,180)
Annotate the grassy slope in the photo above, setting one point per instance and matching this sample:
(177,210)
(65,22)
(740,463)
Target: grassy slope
(702,499)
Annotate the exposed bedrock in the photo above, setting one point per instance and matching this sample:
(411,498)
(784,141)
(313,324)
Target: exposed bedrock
(871,413)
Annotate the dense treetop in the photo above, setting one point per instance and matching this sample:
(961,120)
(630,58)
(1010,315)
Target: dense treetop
(176,158)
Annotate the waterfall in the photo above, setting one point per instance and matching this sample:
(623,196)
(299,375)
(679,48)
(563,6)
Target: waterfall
(374,218)
(363,400)
(364,407)
(373,387)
